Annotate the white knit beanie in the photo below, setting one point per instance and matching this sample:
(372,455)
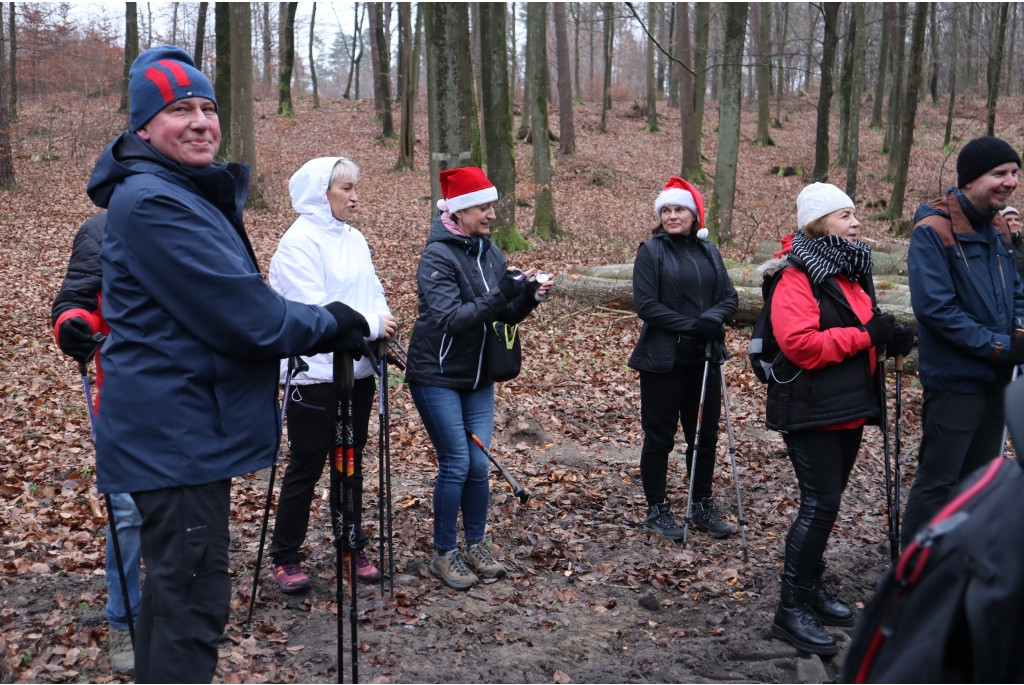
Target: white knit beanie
(1008,210)
(818,200)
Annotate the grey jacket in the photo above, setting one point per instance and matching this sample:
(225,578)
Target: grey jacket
(457,280)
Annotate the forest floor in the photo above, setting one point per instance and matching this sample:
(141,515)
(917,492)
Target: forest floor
(590,596)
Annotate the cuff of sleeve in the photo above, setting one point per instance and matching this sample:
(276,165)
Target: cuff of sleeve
(1000,347)
(90,318)
(863,339)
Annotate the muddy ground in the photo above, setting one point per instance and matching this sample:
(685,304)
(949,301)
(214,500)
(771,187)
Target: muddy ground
(589,598)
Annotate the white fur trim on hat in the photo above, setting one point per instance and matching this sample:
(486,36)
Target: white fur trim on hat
(674,196)
(477,197)
(818,200)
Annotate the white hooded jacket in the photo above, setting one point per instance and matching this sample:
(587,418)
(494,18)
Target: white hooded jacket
(321,260)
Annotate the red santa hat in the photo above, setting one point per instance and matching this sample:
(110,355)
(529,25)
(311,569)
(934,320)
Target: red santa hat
(681,193)
(463,188)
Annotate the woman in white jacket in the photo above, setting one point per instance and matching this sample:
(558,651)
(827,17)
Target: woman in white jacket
(322,259)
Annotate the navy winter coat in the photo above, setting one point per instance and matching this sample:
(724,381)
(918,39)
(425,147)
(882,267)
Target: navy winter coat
(191,363)
(967,296)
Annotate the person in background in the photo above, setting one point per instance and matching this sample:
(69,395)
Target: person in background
(1012,218)
(320,259)
(464,286)
(76,317)
(684,297)
(969,303)
(192,359)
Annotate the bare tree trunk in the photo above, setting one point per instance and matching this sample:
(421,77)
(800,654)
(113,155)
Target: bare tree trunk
(969,71)
(474,16)
(287,60)
(724,193)
(575,6)
(933,82)
(781,84)
(501,154)
(566,127)
(174,23)
(884,63)
(131,50)
(353,65)
(892,125)
(359,57)
(845,88)
(524,118)
(828,58)
(6,154)
(652,89)
(764,75)
(452,122)
(268,77)
(417,50)
(673,69)
(197,55)
(995,68)
(312,63)
(376,51)
(545,225)
(243,147)
(953,27)
(384,75)
(149,25)
(812,25)
(222,73)
(592,23)
(895,209)
(702,30)
(658,25)
(12,76)
(856,92)
(609,39)
(691,168)
(407,139)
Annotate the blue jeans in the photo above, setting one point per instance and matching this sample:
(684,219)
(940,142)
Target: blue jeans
(463,470)
(129,522)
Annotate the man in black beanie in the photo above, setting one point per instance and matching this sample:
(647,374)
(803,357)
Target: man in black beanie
(969,304)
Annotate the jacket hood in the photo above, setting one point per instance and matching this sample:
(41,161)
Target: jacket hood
(308,189)
(779,261)
(438,233)
(225,185)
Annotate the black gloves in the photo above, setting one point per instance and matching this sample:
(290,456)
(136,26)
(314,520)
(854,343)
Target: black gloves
(509,285)
(350,336)
(881,328)
(347,318)
(710,330)
(353,343)
(902,341)
(1016,356)
(75,337)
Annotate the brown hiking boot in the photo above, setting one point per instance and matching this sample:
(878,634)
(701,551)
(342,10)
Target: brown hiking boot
(120,652)
(481,561)
(452,569)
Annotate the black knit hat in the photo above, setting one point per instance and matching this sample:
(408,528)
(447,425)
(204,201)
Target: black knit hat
(981,155)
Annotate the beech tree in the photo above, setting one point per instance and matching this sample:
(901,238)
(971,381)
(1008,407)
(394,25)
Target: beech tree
(845,91)
(723,196)
(689,123)
(995,66)
(545,225)
(764,73)
(131,50)
(781,70)
(286,60)
(6,155)
(952,80)
(12,75)
(859,56)
(892,125)
(197,55)
(243,130)
(702,30)
(652,88)
(268,77)
(884,63)
(566,128)
(609,44)
(830,12)
(497,119)
(312,62)
(222,73)
(407,136)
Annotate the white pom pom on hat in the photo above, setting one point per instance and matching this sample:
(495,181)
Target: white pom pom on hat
(703,234)
(818,200)
(463,188)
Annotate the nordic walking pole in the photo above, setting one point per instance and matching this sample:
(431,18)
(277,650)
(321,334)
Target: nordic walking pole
(517,489)
(696,442)
(898,363)
(894,542)
(735,473)
(83,370)
(1006,428)
(344,462)
(384,467)
(296,365)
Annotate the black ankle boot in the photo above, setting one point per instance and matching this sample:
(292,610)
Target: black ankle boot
(829,610)
(796,623)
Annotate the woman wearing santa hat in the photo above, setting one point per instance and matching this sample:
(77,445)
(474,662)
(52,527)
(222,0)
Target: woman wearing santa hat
(464,285)
(684,297)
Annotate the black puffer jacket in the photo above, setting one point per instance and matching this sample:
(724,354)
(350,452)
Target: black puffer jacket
(84,278)
(659,273)
(457,279)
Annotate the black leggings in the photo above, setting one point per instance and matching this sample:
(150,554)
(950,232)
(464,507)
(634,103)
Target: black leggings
(665,398)
(822,460)
(311,420)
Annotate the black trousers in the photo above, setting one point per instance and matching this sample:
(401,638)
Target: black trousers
(665,400)
(187,594)
(822,460)
(961,434)
(311,422)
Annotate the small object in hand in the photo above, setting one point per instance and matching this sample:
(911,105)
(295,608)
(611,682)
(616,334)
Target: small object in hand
(536,281)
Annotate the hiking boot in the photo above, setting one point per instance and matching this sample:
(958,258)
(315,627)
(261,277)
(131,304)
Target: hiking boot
(452,569)
(796,623)
(366,572)
(290,577)
(481,561)
(660,521)
(829,610)
(705,517)
(120,652)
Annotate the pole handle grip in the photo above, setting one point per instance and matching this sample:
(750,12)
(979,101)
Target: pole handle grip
(899,362)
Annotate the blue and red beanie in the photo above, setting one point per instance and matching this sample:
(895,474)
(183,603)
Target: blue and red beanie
(161,76)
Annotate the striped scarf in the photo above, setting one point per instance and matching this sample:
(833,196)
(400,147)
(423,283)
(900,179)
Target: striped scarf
(830,255)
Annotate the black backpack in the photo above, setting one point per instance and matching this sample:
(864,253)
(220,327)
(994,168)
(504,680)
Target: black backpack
(763,350)
(952,609)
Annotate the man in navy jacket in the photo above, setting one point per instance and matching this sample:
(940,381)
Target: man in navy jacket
(969,304)
(191,361)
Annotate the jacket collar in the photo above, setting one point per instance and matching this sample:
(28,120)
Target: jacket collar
(951,206)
